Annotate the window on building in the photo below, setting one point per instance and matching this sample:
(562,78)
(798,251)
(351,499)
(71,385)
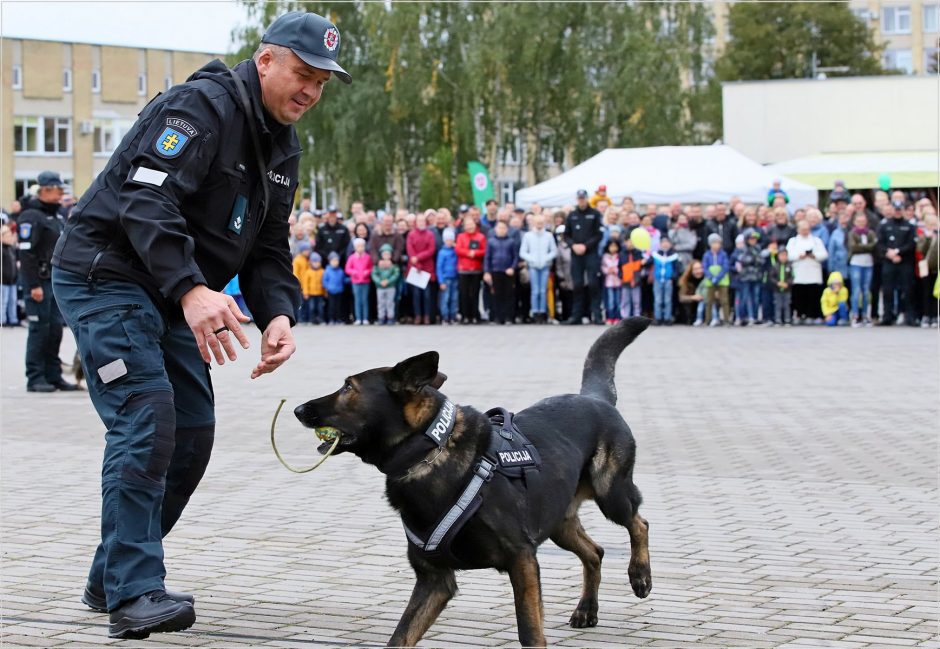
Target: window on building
(141,84)
(17,77)
(896,20)
(901,60)
(108,134)
(42,135)
(96,80)
(67,79)
(507,192)
(932,18)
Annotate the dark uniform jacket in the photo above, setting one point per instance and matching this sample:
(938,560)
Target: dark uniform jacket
(584,226)
(38,226)
(332,238)
(181,201)
(897,233)
(727,230)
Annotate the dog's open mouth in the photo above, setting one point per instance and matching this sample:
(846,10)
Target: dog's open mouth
(329,435)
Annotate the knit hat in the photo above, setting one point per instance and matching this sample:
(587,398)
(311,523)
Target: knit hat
(385,247)
(359,241)
(448,234)
(751,233)
(333,255)
(316,257)
(738,239)
(304,246)
(713,237)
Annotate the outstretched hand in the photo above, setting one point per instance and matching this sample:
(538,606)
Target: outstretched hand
(277,345)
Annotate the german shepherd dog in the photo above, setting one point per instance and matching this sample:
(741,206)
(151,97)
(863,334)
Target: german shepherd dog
(587,452)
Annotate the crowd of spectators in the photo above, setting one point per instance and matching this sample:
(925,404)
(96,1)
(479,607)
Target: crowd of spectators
(697,264)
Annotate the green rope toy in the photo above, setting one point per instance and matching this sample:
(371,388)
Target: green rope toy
(323,433)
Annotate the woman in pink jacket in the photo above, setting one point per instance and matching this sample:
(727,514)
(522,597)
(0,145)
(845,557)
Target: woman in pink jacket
(359,270)
(421,247)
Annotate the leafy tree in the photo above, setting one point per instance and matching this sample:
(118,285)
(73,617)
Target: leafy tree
(437,84)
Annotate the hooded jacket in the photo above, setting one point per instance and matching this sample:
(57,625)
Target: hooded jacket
(181,201)
(830,299)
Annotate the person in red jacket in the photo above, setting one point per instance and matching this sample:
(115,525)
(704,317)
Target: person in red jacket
(421,246)
(471,248)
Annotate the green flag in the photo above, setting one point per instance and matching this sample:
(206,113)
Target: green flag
(480,183)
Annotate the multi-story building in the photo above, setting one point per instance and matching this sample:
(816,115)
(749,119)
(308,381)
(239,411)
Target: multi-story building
(66,106)
(909,30)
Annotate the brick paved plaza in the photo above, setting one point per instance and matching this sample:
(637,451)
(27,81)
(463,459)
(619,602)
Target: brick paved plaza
(789,477)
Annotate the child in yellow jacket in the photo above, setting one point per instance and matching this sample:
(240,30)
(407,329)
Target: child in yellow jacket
(835,301)
(312,288)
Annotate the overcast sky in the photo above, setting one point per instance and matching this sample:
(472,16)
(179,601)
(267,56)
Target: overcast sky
(196,25)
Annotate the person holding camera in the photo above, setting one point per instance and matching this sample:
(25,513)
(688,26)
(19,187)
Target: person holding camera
(806,253)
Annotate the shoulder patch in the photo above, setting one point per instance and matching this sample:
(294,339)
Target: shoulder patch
(173,139)
(24,230)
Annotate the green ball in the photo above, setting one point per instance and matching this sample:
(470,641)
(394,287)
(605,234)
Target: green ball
(884,181)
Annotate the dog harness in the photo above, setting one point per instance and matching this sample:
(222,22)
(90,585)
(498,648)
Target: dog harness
(509,453)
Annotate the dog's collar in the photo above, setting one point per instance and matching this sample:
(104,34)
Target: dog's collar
(443,425)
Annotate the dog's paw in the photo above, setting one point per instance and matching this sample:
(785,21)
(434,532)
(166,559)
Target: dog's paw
(641,580)
(582,619)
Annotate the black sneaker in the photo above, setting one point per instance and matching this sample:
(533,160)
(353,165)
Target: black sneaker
(571,321)
(40,387)
(154,612)
(95,600)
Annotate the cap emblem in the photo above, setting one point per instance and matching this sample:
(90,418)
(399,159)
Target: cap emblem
(331,38)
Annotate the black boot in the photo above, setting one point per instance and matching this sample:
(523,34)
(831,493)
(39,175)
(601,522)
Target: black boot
(154,612)
(94,598)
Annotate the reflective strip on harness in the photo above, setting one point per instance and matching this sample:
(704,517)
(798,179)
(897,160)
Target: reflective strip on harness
(483,473)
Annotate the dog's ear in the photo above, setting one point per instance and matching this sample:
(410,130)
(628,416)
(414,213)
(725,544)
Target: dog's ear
(416,372)
(438,380)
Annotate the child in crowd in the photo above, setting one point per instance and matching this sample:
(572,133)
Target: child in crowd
(301,266)
(750,276)
(716,264)
(666,267)
(447,277)
(610,270)
(631,264)
(359,270)
(499,264)
(334,280)
(835,300)
(781,277)
(735,295)
(385,276)
(314,293)
(861,242)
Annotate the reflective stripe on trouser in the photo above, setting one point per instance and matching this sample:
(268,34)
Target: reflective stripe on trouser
(160,420)
(44,338)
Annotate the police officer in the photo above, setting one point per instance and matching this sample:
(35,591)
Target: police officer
(200,189)
(39,227)
(896,241)
(333,236)
(583,234)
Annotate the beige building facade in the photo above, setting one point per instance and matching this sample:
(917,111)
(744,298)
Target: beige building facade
(66,106)
(909,30)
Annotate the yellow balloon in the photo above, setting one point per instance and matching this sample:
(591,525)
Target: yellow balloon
(640,238)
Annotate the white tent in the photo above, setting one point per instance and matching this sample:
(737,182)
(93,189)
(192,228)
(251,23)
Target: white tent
(689,174)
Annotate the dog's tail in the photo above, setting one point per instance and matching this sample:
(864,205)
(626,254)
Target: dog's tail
(598,377)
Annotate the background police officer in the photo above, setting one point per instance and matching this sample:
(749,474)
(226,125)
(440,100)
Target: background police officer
(896,243)
(583,234)
(39,228)
(200,190)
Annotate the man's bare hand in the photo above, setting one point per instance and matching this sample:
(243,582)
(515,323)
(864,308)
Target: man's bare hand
(36,294)
(214,318)
(277,345)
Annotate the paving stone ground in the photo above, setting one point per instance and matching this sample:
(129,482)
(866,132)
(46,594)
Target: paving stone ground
(789,477)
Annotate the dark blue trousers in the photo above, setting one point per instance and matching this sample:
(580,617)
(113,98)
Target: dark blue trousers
(153,392)
(44,338)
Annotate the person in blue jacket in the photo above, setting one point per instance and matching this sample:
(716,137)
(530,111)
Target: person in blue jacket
(446,268)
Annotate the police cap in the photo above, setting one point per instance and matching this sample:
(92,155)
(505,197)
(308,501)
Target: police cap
(49,179)
(313,38)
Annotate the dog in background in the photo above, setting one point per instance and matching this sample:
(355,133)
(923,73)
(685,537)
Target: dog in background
(587,452)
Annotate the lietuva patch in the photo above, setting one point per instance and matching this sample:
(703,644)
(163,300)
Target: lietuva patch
(173,139)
